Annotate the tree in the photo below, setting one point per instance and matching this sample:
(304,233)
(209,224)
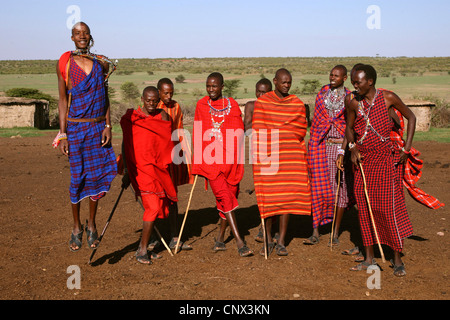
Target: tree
(310,86)
(231,87)
(129,90)
(180,78)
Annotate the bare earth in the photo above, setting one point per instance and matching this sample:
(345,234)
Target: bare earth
(35,224)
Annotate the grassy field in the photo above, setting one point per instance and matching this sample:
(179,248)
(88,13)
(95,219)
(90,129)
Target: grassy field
(441,135)
(408,77)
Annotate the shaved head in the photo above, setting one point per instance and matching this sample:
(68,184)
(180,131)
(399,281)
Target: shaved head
(79,24)
(281,72)
(150,89)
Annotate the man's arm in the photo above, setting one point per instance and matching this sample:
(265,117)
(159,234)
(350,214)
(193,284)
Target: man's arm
(392,100)
(351,111)
(62,110)
(248,115)
(107,132)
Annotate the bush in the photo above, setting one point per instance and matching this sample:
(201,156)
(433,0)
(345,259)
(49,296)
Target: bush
(231,87)
(180,78)
(129,90)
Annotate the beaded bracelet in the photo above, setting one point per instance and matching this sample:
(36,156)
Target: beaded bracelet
(62,136)
(340,151)
(403,149)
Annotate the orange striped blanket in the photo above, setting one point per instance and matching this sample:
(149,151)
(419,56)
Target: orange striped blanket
(279,156)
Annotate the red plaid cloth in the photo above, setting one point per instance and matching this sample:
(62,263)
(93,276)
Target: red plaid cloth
(322,193)
(384,181)
(413,169)
(213,157)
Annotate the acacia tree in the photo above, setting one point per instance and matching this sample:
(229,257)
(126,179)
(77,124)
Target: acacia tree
(129,90)
(231,87)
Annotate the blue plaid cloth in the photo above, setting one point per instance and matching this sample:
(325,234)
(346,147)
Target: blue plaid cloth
(92,167)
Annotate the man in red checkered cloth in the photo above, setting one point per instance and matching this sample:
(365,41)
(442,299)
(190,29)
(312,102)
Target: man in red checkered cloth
(218,154)
(368,128)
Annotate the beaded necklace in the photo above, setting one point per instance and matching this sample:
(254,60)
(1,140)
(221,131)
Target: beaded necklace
(220,113)
(86,53)
(334,99)
(365,115)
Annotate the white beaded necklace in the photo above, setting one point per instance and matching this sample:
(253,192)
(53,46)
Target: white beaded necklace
(220,113)
(366,118)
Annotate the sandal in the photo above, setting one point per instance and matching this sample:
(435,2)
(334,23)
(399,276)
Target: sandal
(181,245)
(154,255)
(281,250)
(144,259)
(75,239)
(351,252)
(153,243)
(363,266)
(270,247)
(399,271)
(311,241)
(335,242)
(354,252)
(219,246)
(259,237)
(244,251)
(92,237)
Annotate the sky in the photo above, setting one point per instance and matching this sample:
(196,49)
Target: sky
(234,28)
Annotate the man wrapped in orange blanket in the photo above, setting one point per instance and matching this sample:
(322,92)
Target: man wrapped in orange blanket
(147,149)
(279,157)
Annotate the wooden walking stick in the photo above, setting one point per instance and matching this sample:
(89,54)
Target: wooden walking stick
(371,214)
(335,209)
(185,215)
(157,231)
(106,225)
(264,237)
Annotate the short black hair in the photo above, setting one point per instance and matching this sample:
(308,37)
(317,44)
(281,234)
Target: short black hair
(371,73)
(217,76)
(150,88)
(342,67)
(264,81)
(164,81)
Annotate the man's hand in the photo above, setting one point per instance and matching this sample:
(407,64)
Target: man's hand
(64,147)
(106,136)
(340,162)
(125,180)
(356,156)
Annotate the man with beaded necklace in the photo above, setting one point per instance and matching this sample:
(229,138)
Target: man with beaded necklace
(85,129)
(326,137)
(368,128)
(218,136)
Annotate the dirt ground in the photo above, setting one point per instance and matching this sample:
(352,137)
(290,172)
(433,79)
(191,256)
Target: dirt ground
(35,224)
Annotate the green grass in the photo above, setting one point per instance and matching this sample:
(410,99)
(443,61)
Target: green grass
(23,132)
(434,134)
(441,135)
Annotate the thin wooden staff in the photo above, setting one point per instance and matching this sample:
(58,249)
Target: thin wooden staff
(264,237)
(185,215)
(157,231)
(335,209)
(371,214)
